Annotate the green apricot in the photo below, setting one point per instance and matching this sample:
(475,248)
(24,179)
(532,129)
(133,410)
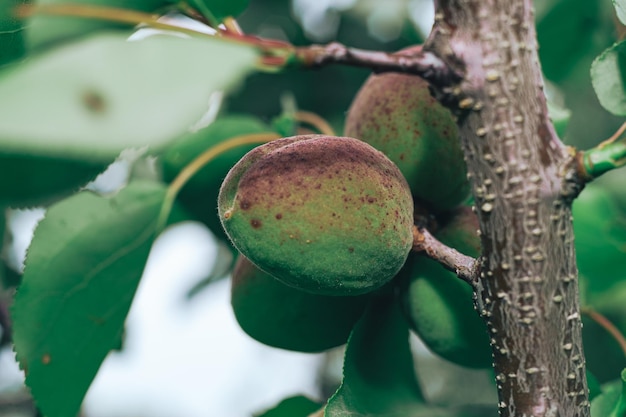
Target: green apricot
(199,195)
(439,306)
(30,180)
(396,114)
(327,215)
(281,316)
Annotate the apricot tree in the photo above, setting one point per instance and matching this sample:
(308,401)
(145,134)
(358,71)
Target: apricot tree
(341,227)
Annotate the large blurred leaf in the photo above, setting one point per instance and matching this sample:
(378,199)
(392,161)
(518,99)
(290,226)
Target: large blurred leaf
(298,406)
(11,34)
(565,35)
(378,375)
(220,8)
(612,401)
(607,76)
(82,270)
(94,98)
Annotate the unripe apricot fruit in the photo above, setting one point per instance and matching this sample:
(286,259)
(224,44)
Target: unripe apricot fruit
(281,316)
(396,114)
(327,215)
(439,306)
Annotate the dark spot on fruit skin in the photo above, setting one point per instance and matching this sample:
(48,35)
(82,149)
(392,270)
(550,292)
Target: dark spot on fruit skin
(255,223)
(371,200)
(351,250)
(279,216)
(245,205)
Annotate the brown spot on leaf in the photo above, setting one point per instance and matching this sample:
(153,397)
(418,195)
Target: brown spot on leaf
(94,101)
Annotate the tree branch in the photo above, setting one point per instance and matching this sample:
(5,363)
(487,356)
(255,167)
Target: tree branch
(527,292)
(422,63)
(462,265)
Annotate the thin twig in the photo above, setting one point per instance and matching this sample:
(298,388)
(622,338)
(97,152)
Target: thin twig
(423,63)
(462,265)
(613,137)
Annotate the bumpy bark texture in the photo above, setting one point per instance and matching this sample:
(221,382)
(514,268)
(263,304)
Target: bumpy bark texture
(527,291)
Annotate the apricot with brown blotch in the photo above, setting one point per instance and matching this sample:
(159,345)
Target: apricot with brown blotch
(327,215)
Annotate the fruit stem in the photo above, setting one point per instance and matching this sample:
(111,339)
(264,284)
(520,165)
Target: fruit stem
(197,164)
(462,265)
(316,121)
(606,324)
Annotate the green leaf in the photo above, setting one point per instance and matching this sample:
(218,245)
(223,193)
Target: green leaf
(43,30)
(620,10)
(612,401)
(607,77)
(38,180)
(82,270)
(298,406)
(94,98)
(12,44)
(565,35)
(219,9)
(378,373)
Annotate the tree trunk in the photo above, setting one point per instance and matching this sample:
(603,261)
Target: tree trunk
(528,290)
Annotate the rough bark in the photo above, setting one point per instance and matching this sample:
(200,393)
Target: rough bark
(527,292)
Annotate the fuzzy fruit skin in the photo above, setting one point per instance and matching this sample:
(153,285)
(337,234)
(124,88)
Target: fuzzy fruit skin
(327,215)
(396,114)
(278,315)
(439,306)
